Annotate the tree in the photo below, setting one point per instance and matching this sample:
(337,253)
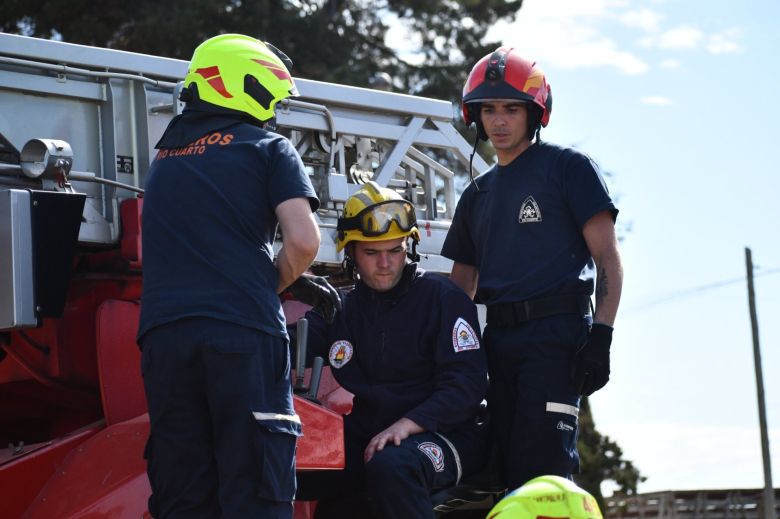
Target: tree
(601,459)
(340,41)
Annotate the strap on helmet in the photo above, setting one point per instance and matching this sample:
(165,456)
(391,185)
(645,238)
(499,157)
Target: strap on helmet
(281,55)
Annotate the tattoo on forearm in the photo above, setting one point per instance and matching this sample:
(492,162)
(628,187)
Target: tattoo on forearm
(601,286)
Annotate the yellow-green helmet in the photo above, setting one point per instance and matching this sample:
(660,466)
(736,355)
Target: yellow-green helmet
(241,73)
(375,213)
(547,496)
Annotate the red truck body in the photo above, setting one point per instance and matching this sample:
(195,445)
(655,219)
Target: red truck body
(77,134)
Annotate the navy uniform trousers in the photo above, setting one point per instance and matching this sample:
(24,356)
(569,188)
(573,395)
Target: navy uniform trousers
(397,482)
(532,400)
(223,429)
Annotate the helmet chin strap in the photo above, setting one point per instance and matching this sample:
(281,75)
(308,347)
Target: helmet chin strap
(349,266)
(188,94)
(471,164)
(412,254)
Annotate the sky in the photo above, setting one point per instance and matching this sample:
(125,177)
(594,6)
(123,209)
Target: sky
(677,101)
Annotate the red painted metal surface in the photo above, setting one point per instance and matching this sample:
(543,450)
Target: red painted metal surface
(119,361)
(102,477)
(130,244)
(330,393)
(105,475)
(92,370)
(322,444)
(22,475)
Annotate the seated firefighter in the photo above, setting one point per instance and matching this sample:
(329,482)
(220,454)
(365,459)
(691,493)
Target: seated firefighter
(406,343)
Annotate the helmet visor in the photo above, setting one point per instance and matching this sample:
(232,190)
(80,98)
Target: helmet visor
(375,220)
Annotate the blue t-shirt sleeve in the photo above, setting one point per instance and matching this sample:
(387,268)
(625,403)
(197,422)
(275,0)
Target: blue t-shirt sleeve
(459,245)
(287,176)
(584,189)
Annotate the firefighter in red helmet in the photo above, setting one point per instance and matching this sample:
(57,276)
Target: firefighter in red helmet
(532,238)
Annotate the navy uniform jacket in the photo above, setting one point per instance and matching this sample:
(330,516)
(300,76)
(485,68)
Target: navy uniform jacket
(413,352)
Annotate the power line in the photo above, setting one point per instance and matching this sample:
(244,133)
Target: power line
(702,288)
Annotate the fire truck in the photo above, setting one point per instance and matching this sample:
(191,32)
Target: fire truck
(78,126)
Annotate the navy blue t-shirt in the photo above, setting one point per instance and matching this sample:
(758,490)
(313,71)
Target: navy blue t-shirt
(522,229)
(209,225)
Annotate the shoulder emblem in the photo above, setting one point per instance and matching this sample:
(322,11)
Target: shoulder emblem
(463,336)
(434,453)
(340,353)
(529,211)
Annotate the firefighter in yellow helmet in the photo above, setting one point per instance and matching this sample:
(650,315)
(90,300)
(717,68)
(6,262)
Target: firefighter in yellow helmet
(406,344)
(547,496)
(212,331)
(240,73)
(376,213)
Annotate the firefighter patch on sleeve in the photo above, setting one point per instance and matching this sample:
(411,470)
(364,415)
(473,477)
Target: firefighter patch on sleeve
(340,353)
(463,336)
(434,453)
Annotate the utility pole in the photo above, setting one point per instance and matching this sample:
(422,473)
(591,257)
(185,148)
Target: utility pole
(769,492)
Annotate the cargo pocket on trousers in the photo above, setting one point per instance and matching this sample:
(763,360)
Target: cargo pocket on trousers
(562,420)
(275,450)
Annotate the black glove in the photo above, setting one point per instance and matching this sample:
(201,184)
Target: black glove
(591,364)
(318,293)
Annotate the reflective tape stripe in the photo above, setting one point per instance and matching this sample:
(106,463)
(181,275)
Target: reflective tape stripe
(555,407)
(276,416)
(454,454)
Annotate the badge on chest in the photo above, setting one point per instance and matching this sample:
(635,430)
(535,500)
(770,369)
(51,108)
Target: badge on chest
(340,353)
(529,211)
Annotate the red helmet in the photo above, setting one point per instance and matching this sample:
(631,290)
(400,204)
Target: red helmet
(503,74)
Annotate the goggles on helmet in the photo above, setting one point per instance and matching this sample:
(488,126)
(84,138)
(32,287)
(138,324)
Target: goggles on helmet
(376,219)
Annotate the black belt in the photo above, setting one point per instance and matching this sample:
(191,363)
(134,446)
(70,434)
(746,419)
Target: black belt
(505,315)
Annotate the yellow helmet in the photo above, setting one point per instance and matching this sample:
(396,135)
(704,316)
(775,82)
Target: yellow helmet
(376,213)
(547,496)
(241,73)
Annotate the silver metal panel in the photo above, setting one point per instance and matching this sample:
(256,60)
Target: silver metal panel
(17,296)
(108,129)
(101,102)
(373,100)
(387,169)
(83,55)
(175,70)
(459,145)
(361,128)
(51,85)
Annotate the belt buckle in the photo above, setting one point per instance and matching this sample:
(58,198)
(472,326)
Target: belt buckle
(522,311)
